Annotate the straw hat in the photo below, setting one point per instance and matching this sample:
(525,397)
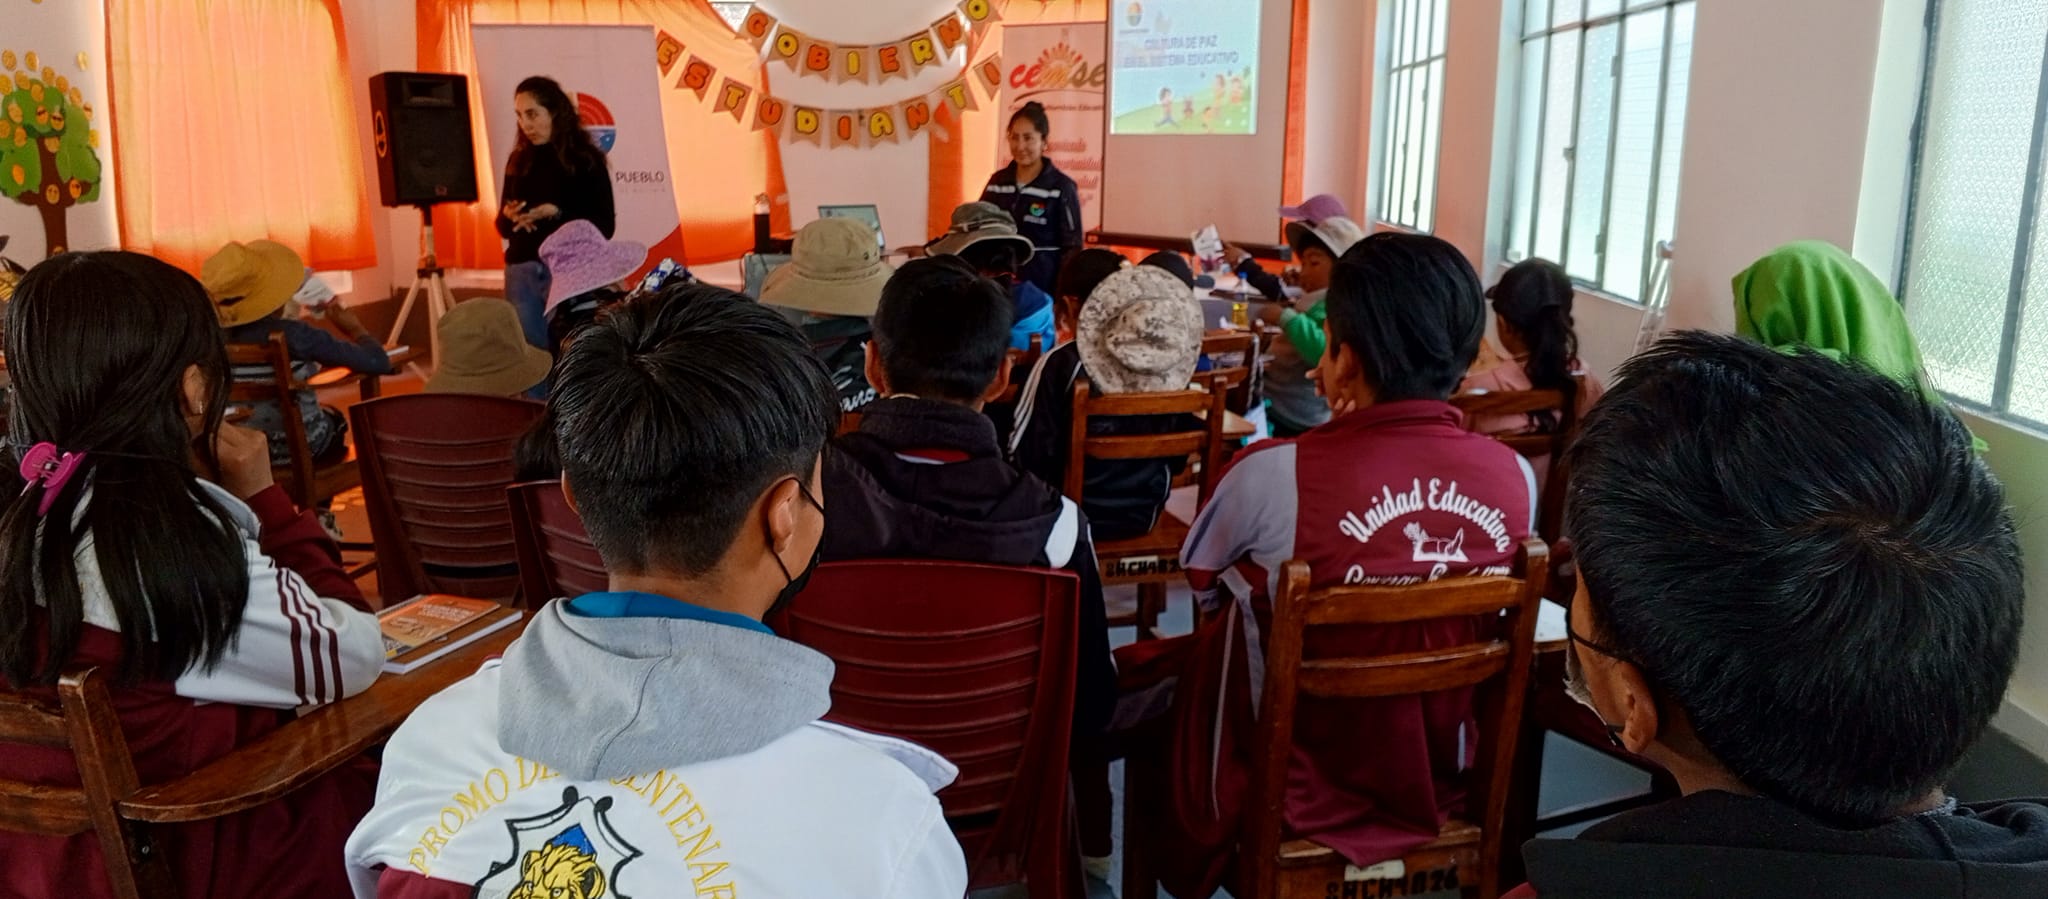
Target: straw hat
(975,223)
(483,351)
(1140,332)
(835,268)
(581,259)
(248,281)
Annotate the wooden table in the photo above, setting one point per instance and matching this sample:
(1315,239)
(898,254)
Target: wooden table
(1235,426)
(316,743)
(371,386)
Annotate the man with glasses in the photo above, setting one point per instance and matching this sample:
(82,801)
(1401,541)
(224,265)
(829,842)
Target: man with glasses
(1807,617)
(656,739)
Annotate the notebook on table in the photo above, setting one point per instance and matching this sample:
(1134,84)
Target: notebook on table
(428,627)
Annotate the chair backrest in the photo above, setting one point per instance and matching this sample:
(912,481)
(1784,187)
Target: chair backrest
(1499,667)
(262,373)
(1203,443)
(82,719)
(1547,446)
(1233,357)
(975,662)
(435,468)
(556,558)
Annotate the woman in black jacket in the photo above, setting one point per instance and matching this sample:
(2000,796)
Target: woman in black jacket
(1044,201)
(556,174)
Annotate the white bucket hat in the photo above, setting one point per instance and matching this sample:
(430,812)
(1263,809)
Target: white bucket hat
(1140,332)
(1338,233)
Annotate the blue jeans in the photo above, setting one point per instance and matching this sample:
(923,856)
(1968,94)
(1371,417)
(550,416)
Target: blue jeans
(526,288)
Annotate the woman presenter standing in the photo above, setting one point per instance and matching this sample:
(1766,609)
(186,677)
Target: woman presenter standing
(555,175)
(1044,201)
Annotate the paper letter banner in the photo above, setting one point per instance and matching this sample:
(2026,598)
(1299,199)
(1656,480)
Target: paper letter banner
(991,72)
(980,14)
(853,65)
(959,96)
(768,113)
(807,124)
(757,27)
(697,76)
(666,50)
(732,98)
(846,127)
(817,58)
(613,74)
(916,115)
(889,60)
(922,52)
(881,125)
(787,46)
(950,32)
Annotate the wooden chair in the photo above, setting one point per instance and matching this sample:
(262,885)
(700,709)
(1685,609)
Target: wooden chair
(975,662)
(435,467)
(556,558)
(1545,447)
(110,802)
(308,481)
(1151,561)
(1467,850)
(1238,378)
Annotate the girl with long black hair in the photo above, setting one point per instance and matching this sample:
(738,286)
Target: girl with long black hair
(148,540)
(555,175)
(1532,307)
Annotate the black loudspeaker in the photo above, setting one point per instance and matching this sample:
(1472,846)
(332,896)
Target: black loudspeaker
(420,121)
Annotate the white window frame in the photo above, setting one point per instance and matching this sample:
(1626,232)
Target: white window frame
(2031,199)
(1405,177)
(1525,145)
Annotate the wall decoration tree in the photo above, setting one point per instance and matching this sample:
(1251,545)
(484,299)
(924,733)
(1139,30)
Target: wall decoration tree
(48,155)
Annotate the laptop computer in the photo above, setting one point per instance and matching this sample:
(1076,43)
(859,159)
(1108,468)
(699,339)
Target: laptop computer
(865,212)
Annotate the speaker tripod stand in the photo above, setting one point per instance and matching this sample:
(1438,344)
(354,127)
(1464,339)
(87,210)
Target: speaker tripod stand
(433,280)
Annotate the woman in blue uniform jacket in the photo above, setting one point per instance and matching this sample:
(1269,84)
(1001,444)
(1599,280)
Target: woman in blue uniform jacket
(1044,201)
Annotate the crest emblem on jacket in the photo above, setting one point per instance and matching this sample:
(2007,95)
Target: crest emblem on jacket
(568,852)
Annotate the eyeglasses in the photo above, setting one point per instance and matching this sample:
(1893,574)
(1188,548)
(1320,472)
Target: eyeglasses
(1575,678)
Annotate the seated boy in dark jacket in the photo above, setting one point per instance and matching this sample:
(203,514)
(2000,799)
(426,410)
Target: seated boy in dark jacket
(1807,640)
(1139,331)
(924,477)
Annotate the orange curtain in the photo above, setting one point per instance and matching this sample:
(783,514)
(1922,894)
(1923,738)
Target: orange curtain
(717,165)
(1297,108)
(234,120)
(963,146)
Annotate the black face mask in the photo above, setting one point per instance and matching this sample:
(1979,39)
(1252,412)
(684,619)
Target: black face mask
(795,585)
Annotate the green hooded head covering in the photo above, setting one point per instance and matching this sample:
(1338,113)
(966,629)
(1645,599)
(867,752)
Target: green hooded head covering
(1810,293)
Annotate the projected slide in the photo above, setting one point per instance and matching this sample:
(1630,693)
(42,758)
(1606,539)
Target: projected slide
(1184,67)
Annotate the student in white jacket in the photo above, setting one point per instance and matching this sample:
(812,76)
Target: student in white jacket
(210,605)
(657,739)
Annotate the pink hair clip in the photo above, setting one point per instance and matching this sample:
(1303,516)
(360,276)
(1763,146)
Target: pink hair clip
(44,465)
